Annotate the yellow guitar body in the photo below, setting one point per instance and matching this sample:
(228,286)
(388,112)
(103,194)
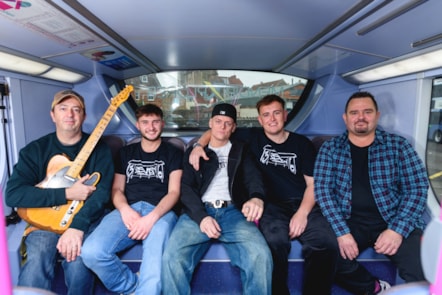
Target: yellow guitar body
(57,218)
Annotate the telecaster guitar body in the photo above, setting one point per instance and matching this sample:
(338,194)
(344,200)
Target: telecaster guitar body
(57,218)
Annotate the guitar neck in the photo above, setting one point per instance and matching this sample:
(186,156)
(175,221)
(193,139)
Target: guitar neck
(82,157)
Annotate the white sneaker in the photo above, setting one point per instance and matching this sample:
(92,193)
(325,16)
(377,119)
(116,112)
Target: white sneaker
(384,286)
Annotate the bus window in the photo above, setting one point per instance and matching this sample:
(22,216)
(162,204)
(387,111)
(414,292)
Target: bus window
(187,97)
(435,125)
(434,146)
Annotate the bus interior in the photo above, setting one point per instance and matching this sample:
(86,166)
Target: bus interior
(186,56)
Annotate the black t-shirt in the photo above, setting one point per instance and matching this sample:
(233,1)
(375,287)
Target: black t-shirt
(147,174)
(363,207)
(283,165)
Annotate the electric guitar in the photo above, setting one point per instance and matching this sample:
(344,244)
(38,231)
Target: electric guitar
(63,173)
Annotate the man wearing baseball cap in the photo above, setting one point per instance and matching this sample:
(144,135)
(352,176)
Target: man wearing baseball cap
(286,159)
(32,185)
(221,201)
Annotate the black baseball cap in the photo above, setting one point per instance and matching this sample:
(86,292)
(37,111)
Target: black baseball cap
(225,109)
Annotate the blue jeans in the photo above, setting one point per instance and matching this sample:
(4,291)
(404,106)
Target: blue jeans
(99,252)
(38,271)
(244,244)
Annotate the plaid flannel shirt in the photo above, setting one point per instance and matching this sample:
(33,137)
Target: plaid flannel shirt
(398,181)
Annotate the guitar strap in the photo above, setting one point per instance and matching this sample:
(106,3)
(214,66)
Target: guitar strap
(23,253)
(29,229)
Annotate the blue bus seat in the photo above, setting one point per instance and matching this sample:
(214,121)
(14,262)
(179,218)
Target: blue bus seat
(215,274)
(14,234)
(114,142)
(176,141)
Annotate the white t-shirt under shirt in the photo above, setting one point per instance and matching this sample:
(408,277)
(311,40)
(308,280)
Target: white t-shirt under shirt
(219,187)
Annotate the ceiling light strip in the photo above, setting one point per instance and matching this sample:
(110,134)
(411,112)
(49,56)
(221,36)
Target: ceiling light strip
(14,61)
(424,60)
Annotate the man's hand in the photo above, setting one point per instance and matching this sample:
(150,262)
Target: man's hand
(194,157)
(210,227)
(129,216)
(69,244)
(252,209)
(80,191)
(141,228)
(297,225)
(348,247)
(388,242)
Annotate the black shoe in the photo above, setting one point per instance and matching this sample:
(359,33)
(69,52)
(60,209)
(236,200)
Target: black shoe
(12,218)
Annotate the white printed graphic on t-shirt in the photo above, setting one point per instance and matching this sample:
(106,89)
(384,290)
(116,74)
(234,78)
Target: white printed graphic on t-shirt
(145,169)
(270,156)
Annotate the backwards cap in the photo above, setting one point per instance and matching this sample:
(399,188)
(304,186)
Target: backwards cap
(225,109)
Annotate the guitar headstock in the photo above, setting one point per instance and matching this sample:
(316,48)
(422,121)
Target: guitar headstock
(122,96)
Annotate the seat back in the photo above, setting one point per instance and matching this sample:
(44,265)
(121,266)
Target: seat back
(176,141)
(319,140)
(114,142)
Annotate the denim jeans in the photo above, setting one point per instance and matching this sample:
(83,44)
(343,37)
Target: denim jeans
(242,240)
(38,270)
(100,250)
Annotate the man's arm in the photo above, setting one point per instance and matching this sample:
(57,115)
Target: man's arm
(412,196)
(325,190)
(253,208)
(412,190)
(298,222)
(190,191)
(69,244)
(241,133)
(144,225)
(171,198)
(198,150)
(100,161)
(118,197)
(21,190)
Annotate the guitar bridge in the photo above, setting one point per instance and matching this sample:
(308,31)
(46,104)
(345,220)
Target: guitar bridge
(69,213)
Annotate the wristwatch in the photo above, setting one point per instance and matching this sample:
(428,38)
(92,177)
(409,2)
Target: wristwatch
(197,144)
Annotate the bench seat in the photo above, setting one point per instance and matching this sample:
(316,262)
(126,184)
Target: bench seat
(215,275)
